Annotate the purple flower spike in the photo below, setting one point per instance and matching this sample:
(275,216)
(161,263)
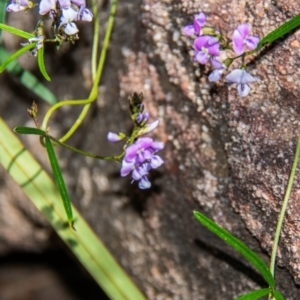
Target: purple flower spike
(140,158)
(241,38)
(206,46)
(18,5)
(242,78)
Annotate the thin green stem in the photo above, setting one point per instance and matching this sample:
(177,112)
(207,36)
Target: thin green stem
(116,157)
(94,91)
(283,209)
(95,39)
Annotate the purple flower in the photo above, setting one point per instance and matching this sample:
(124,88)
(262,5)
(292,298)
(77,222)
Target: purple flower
(46,6)
(18,5)
(242,78)
(219,69)
(241,38)
(140,158)
(116,137)
(206,46)
(199,21)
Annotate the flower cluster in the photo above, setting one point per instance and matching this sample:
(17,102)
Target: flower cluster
(140,152)
(209,43)
(64,14)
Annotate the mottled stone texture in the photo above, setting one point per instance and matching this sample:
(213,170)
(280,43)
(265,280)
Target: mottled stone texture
(226,156)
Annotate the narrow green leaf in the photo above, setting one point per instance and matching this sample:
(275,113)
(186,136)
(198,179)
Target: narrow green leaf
(3,5)
(42,64)
(280,31)
(277,295)
(27,78)
(15,55)
(29,130)
(252,257)
(255,294)
(84,243)
(13,30)
(59,181)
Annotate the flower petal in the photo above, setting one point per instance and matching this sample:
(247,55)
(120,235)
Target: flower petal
(243,89)
(244,29)
(234,76)
(201,42)
(47,5)
(86,16)
(115,137)
(202,57)
(214,49)
(215,75)
(156,162)
(188,30)
(71,29)
(144,183)
(251,42)
(126,168)
(238,42)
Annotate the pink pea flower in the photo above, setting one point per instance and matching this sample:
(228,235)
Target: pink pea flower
(241,38)
(205,47)
(242,78)
(199,21)
(18,5)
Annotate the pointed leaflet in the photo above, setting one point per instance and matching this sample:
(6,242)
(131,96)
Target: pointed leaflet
(16,31)
(280,31)
(29,130)
(42,64)
(15,55)
(237,245)
(255,294)
(59,180)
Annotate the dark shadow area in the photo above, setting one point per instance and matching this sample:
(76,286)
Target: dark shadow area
(53,274)
(233,262)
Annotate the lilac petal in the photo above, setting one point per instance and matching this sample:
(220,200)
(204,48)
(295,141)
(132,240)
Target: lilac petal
(244,30)
(201,18)
(156,162)
(148,128)
(114,137)
(64,3)
(139,172)
(14,7)
(70,29)
(243,89)
(47,5)
(201,42)
(141,144)
(235,76)
(144,183)
(216,64)
(79,2)
(215,75)
(246,78)
(251,42)
(157,146)
(202,57)
(188,30)
(68,15)
(86,16)
(238,42)
(214,49)
(199,21)
(126,168)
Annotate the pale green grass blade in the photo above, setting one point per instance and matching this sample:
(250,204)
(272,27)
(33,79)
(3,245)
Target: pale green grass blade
(83,242)
(27,79)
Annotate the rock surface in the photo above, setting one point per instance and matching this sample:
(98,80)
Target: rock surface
(226,156)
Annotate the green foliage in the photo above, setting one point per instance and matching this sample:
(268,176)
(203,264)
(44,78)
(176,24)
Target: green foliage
(279,31)
(41,63)
(255,294)
(239,246)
